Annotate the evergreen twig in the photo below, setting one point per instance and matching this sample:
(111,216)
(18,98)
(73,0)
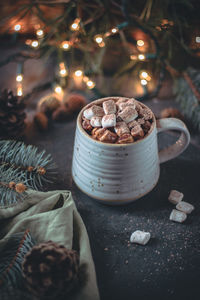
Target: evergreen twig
(9,179)
(12,255)
(31,166)
(187,89)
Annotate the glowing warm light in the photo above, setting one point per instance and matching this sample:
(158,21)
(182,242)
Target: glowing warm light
(19,78)
(114,30)
(140,43)
(90,84)
(62,71)
(85,79)
(98,38)
(78,73)
(102,44)
(197,39)
(17,27)
(145,75)
(143,82)
(141,57)
(133,57)
(19,90)
(75,25)
(58,90)
(40,33)
(34,44)
(65,45)
(28,42)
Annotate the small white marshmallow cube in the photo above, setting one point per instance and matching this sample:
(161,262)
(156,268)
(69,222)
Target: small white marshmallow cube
(93,111)
(140,237)
(175,196)
(96,121)
(109,107)
(130,102)
(185,207)
(177,216)
(128,114)
(109,121)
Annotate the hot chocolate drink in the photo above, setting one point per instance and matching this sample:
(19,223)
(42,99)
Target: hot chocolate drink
(117,121)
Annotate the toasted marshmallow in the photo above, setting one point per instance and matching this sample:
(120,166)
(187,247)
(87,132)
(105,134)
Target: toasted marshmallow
(108,137)
(137,132)
(121,128)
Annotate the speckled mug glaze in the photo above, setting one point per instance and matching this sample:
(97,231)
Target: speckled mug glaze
(121,173)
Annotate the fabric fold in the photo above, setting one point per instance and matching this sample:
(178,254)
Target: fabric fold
(53,216)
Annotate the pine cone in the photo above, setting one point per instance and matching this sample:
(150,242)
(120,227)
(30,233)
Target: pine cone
(50,269)
(74,102)
(12,115)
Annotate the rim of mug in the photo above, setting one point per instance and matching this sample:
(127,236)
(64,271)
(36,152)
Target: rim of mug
(115,98)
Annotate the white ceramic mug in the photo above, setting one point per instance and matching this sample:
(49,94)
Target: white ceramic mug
(122,173)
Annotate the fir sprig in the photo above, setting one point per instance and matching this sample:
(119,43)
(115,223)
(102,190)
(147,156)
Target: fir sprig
(12,189)
(31,166)
(12,255)
(187,91)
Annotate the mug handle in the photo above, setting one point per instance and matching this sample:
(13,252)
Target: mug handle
(180,145)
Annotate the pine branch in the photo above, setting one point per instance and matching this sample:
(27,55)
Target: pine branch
(31,166)
(187,91)
(12,188)
(12,255)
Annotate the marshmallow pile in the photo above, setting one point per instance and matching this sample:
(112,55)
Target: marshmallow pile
(177,215)
(182,208)
(120,122)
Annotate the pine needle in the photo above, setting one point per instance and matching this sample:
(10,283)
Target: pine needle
(12,253)
(187,98)
(9,196)
(31,166)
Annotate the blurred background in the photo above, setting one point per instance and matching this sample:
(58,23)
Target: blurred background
(147,49)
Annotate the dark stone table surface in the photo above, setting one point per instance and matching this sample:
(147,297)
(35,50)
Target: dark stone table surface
(168,267)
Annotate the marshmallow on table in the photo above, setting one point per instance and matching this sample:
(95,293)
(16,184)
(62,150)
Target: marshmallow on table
(93,111)
(96,121)
(177,216)
(109,107)
(128,114)
(140,237)
(121,128)
(185,207)
(175,196)
(109,121)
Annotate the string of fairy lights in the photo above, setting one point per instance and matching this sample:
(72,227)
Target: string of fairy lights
(78,75)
